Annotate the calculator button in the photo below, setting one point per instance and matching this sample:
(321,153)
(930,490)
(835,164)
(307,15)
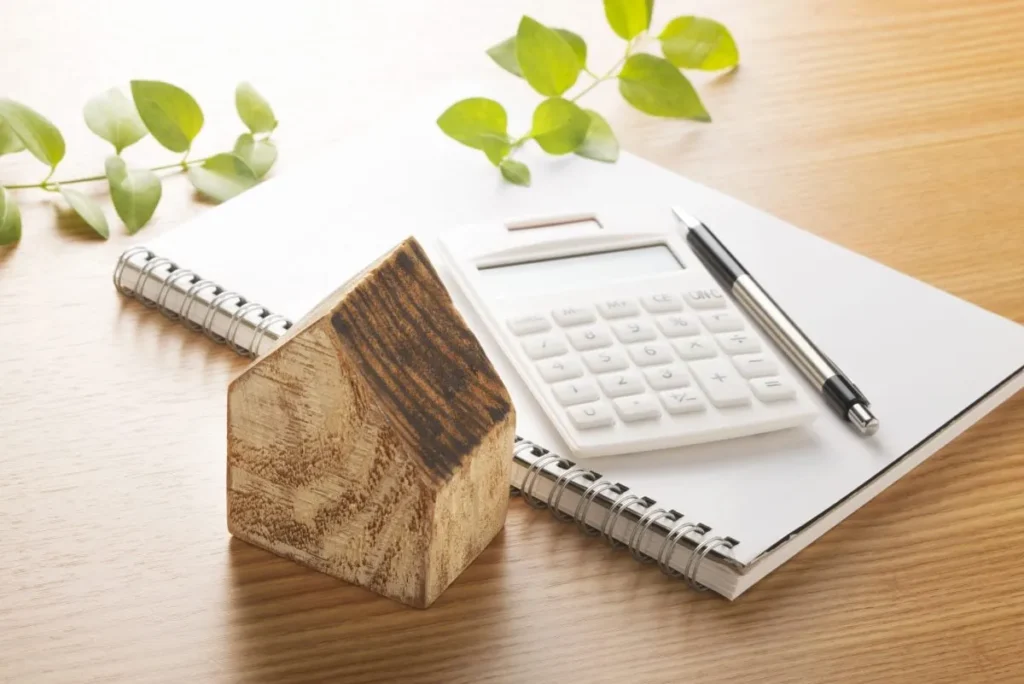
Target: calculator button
(722,321)
(618,308)
(573,315)
(636,408)
(574,392)
(650,354)
(662,302)
(772,389)
(679,325)
(721,382)
(605,360)
(755,365)
(589,416)
(693,348)
(621,384)
(738,343)
(682,401)
(544,346)
(532,323)
(705,298)
(591,337)
(554,370)
(634,331)
(667,377)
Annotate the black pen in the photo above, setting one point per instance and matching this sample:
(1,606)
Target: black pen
(840,394)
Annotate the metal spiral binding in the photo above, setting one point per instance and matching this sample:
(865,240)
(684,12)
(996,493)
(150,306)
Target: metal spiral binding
(161,298)
(590,485)
(698,555)
(196,286)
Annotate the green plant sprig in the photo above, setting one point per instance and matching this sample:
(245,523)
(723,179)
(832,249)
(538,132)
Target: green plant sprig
(162,110)
(551,61)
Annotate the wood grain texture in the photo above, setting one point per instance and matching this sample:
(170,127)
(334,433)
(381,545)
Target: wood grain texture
(895,128)
(374,442)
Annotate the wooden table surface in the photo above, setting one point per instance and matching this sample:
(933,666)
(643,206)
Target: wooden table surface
(893,127)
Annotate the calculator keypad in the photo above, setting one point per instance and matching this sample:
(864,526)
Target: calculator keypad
(663,359)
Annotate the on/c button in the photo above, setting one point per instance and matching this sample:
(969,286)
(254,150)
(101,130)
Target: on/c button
(705,298)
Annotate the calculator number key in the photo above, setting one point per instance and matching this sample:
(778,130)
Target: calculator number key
(557,369)
(722,321)
(682,401)
(632,409)
(634,331)
(590,337)
(568,316)
(544,346)
(738,343)
(693,348)
(667,377)
(772,389)
(679,325)
(650,354)
(721,382)
(705,298)
(618,308)
(531,323)
(574,392)
(605,361)
(588,416)
(621,384)
(662,302)
(755,365)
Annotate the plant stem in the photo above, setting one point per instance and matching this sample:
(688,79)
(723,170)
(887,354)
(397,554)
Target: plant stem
(46,185)
(608,75)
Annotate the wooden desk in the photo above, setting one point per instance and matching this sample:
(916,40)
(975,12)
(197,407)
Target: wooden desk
(894,127)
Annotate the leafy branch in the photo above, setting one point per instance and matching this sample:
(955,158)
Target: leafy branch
(162,110)
(551,61)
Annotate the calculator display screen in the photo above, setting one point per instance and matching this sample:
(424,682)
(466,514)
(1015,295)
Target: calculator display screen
(579,270)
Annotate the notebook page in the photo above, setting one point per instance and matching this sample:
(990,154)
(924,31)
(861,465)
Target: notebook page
(919,354)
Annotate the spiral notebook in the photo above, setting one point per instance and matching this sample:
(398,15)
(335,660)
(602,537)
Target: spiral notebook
(720,515)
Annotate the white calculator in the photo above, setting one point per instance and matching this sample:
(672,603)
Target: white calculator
(621,334)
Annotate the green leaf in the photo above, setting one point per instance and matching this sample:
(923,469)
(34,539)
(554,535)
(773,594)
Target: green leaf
(655,87)
(253,109)
(698,43)
(112,116)
(600,143)
(478,123)
(548,62)
(628,18)
(9,142)
(36,133)
(504,53)
(559,126)
(222,176)
(10,219)
(515,172)
(258,155)
(88,209)
(170,114)
(135,193)
(576,42)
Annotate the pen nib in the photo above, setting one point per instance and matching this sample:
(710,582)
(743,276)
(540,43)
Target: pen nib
(688,220)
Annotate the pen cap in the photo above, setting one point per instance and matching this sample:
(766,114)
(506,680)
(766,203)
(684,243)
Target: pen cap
(842,395)
(714,255)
